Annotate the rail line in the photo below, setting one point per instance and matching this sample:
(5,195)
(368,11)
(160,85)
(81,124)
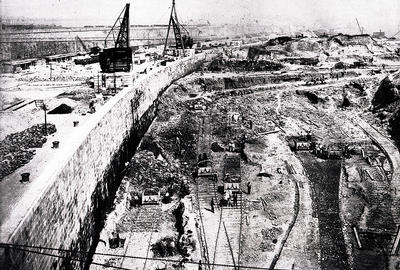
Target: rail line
(216,240)
(202,231)
(230,217)
(291,225)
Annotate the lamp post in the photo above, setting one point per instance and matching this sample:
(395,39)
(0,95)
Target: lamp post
(40,104)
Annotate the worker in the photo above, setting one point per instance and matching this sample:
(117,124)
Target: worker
(226,198)
(200,266)
(248,187)
(167,198)
(103,80)
(91,107)
(212,205)
(235,199)
(231,146)
(135,201)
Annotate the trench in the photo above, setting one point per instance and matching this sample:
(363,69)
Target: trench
(324,176)
(104,194)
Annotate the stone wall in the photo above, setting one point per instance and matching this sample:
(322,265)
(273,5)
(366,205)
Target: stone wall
(70,212)
(21,44)
(37,49)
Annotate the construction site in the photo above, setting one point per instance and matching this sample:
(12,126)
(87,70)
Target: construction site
(254,150)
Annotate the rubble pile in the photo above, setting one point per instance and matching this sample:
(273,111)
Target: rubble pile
(312,97)
(61,109)
(171,102)
(164,247)
(387,93)
(79,94)
(180,139)
(349,40)
(394,126)
(256,51)
(145,171)
(15,149)
(270,238)
(220,64)
(279,41)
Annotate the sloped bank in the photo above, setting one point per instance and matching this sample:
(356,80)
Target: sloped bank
(81,181)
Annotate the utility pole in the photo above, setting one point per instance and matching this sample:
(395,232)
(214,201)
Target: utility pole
(45,119)
(98,83)
(115,83)
(40,104)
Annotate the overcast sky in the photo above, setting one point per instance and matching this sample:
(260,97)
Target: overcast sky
(372,14)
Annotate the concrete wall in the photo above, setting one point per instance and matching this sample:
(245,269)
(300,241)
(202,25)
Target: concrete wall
(69,213)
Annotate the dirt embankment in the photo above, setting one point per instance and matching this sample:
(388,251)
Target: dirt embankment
(386,104)
(324,177)
(221,64)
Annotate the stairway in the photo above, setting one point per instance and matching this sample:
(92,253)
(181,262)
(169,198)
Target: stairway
(206,189)
(148,219)
(239,202)
(230,228)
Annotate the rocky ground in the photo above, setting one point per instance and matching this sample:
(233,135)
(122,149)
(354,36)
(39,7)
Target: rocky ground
(303,205)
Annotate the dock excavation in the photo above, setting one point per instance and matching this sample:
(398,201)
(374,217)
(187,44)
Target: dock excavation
(200,135)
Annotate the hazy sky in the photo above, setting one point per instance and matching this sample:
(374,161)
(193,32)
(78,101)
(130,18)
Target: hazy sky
(372,14)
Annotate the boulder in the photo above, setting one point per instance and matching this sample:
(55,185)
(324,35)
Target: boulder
(387,93)
(394,126)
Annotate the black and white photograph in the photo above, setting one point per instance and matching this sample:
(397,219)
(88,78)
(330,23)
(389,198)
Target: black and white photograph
(200,134)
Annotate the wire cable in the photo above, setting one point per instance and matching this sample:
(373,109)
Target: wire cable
(21,247)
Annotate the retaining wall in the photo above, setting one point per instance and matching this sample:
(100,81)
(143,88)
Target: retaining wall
(70,211)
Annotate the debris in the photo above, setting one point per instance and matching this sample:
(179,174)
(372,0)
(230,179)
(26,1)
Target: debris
(61,109)
(15,148)
(387,93)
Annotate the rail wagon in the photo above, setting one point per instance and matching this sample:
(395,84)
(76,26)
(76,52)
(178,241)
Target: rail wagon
(232,173)
(205,168)
(151,196)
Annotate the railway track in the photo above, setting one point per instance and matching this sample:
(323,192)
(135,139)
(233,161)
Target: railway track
(223,245)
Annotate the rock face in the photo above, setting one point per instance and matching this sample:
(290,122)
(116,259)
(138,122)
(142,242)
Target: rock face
(388,92)
(312,96)
(394,124)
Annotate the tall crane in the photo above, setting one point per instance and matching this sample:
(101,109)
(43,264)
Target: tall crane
(119,57)
(79,40)
(182,37)
(395,34)
(359,27)
(120,30)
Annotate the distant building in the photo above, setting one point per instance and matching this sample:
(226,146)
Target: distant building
(236,42)
(60,57)
(379,34)
(16,65)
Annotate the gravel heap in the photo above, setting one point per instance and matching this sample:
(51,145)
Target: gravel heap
(15,149)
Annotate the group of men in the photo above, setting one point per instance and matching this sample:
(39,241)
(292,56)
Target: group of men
(231,198)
